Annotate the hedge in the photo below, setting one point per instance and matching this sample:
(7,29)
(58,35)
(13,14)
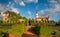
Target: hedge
(42,30)
(1,34)
(17,29)
(45,30)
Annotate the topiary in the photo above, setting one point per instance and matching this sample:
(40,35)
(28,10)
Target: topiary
(1,34)
(17,29)
(45,30)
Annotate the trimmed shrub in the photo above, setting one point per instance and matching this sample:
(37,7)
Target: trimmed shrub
(1,34)
(36,29)
(17,29)
(45,30)
(42,30)
(51,23)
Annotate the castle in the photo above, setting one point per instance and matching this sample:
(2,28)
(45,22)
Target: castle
(41,19)
(5,16)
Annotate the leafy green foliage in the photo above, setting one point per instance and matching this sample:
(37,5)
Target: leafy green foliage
(36,29)
(34,23)
(1,22)
(13,16)
(51,23)
(45,30)
(58,23)
(17,29)
(1,34)
(26,20)
(42,30)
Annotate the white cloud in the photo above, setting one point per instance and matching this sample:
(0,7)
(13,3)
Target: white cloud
(22,3)
(36,1)
(10,7)
(3,8)
(15,10)
(29,1)
(55,11)
(10,4)
(29,12)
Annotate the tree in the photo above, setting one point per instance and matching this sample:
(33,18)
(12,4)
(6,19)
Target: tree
(1,22)
(51,22)
(58,23)
(13,17)
(26,20)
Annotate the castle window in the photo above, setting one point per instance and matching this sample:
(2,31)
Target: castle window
(5,18)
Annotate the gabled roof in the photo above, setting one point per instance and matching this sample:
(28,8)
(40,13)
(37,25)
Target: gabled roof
(6,12)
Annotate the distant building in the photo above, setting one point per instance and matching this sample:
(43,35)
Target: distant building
(21,20)
(42,19)
(0,15)
(5,16)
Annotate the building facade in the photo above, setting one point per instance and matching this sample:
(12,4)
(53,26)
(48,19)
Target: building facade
(5,16)
(42,19)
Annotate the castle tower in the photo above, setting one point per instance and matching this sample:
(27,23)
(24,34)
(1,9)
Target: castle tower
(48,18)
(37,15)
(5,16)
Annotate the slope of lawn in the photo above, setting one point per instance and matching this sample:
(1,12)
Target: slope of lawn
(4,28)
(57,28)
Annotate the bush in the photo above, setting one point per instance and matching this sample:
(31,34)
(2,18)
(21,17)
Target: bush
(50,23)
(1,22)
(36,23)
(36,29)
(1,34)
(6,23)
(17,29)
(42,30)
(45,30)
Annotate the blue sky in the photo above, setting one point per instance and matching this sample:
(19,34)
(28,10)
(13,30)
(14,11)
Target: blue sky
(28,8)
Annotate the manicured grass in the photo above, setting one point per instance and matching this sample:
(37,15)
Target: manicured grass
(4,28)
(57,28)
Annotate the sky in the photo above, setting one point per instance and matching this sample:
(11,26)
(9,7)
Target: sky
(28,8)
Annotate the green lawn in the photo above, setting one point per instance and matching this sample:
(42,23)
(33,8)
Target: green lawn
(57,28)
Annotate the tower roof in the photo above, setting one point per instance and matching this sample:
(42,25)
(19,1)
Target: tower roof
(6,12)
(36,11)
